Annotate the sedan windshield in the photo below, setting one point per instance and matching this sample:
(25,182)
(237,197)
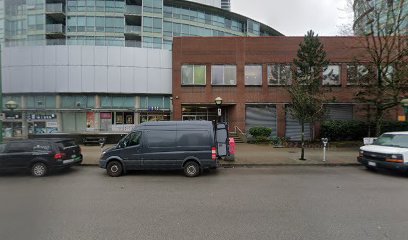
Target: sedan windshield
(392,140)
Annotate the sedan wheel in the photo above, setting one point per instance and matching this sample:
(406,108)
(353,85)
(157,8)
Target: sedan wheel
(39,169)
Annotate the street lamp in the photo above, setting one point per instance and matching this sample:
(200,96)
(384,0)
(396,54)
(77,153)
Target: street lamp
(11,105)
(218,102)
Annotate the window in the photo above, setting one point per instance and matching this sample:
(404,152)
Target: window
(224,75)
(357,74)
(253,75)
(133,139)
(279,74)
(331,75)
(193,74)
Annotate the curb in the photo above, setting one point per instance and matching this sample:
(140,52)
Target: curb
(251,165)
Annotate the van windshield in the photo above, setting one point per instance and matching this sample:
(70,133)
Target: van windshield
(392,140)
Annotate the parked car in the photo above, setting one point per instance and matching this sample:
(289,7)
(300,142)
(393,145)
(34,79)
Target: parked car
(189,145)
(39,155)
(390,151)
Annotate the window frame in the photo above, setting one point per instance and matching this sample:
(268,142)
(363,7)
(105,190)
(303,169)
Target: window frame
(224,68)
(328,82)
(279,80)
(261,74)
(194,76)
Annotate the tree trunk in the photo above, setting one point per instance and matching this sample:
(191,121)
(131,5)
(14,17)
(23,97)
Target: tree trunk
(302,139)
(378,122)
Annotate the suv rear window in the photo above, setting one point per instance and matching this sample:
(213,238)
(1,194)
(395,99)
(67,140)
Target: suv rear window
(66,143)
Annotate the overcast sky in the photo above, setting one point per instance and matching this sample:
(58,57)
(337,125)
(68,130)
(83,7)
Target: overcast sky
(296,17)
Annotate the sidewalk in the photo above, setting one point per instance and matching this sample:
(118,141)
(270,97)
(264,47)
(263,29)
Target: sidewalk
(263,155)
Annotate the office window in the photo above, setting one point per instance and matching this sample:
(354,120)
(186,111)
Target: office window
(279,74)
(253,75)
(357,74)
(331,75)
(193,74)
(224,75)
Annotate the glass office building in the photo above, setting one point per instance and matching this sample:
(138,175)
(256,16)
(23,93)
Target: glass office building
(99,65)
(378,16)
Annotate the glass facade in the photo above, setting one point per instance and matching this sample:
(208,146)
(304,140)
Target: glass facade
(138,23)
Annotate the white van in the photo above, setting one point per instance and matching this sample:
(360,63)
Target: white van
(390,151)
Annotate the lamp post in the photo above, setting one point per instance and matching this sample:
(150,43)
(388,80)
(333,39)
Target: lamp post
(218,102)
(11,105)
(404,104)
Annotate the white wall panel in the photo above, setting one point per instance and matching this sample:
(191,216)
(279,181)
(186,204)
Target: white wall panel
(37,78)
(50,78)
(166,59)
(127,85)
(6,79)
(114,79)
(74,79)
(62,79)
(87,56)
(126,57)
(88,78)
(113,56)
(101,79)
(74,55)
(37,56)
(140,80)
(154,80)
(78,69)
(101,56)
(61,55)
(140,55)
(50,56)
(154,58)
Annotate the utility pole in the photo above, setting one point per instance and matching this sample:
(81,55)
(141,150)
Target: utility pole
(1,101)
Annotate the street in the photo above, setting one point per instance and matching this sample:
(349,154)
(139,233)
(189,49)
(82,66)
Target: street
(303,202)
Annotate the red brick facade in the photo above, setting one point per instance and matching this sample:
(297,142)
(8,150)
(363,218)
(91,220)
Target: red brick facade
(240,51)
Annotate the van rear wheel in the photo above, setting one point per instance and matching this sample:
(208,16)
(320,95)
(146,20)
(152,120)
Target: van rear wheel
(114,169)
(191,169)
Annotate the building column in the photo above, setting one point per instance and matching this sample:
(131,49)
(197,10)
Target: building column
(97,115)
(137,107)
(24,123)
(58,113)
(281,120)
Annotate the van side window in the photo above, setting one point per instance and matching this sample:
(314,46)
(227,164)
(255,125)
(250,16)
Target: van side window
(132,139)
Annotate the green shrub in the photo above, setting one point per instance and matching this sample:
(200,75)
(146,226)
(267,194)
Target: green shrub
(260,131)
(338,130)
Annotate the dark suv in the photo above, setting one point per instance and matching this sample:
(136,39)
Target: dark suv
(39,155)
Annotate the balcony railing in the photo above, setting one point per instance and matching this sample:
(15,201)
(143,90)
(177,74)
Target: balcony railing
(55,8)
(133,9)
(133,29)
(133,43)
(55,28)
(55,41)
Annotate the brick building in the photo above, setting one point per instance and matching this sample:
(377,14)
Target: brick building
(250,74)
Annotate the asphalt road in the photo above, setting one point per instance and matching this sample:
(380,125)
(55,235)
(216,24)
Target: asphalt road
(257,203)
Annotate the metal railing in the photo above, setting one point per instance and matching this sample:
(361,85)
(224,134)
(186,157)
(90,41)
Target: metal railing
(133,43)
(55,28)
(240,133)
(133,9)
(133,29)
(54,8)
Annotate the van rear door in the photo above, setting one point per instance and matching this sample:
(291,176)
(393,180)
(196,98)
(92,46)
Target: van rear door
(221,139)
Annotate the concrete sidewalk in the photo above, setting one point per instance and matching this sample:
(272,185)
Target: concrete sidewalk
(263,155)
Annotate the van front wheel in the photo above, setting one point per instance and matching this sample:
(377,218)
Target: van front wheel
(191,169)
(114,169)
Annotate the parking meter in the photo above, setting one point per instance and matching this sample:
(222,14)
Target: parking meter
(324,141)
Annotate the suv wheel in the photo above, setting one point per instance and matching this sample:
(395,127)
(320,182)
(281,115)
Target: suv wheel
(114,169)
(39,169)
(191,169)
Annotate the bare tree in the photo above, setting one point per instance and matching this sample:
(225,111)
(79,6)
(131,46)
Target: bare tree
(386,48)
(347,14)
